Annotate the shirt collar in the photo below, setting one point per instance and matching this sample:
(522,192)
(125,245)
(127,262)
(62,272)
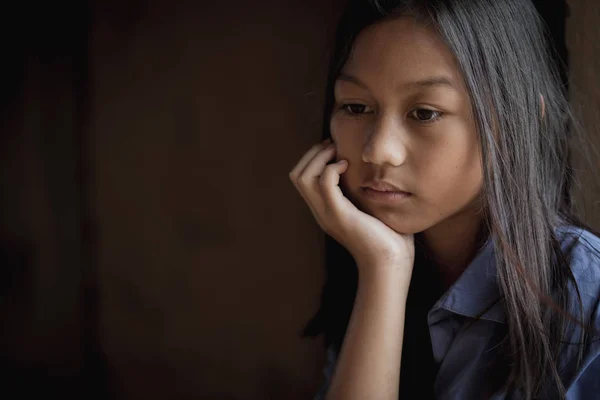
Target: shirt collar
(477,289)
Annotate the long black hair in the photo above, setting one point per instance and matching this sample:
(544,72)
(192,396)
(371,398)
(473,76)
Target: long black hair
(505,55)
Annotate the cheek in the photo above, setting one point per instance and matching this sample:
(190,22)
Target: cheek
(336,127)
(347,135)
(453,169)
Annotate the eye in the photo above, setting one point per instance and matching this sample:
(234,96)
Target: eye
(355,109)
(425,115)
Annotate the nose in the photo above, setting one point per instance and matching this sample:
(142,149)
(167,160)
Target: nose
(385,144)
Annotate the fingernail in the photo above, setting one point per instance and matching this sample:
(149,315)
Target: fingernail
(327,141)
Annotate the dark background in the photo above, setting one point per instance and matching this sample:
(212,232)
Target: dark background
(151,244)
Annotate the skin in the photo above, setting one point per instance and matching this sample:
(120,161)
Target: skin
(385,136)
(392,132)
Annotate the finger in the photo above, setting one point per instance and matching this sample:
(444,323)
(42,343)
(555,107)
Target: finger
(315,167)
(308,182)
(306,158)
(333,198)
(296,176)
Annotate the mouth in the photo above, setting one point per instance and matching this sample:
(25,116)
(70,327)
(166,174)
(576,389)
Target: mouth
(389,197)
(383,186)
(384,191)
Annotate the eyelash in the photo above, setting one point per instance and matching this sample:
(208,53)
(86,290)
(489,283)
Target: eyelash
(438,114)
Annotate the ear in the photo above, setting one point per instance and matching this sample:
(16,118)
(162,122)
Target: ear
(543,105)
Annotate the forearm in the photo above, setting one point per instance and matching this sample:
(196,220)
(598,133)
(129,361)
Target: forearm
(368,366)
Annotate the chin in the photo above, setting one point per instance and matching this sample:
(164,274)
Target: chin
(402,225)
(406,229)
(400,221)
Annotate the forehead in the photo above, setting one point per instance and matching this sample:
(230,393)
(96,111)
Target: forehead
(401,50)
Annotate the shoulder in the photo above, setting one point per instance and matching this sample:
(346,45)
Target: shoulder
(582,240)
(582,249)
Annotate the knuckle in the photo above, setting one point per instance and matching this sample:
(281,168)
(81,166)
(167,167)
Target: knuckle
(302,181)
(325,175)
(323,184)
(313,149)
(330,168)
(322,178)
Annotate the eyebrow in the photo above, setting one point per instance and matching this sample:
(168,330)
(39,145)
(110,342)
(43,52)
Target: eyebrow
(432,81)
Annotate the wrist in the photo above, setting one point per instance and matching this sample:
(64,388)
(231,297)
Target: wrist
(389,277)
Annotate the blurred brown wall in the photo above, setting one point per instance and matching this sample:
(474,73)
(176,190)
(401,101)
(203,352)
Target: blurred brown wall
(210,263)
(583,41)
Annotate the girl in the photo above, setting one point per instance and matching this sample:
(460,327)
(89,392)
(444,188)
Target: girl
(457,269)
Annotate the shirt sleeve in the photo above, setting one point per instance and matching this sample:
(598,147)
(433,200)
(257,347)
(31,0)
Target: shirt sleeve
(330,362)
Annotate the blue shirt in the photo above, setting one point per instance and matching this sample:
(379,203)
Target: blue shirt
(461,354)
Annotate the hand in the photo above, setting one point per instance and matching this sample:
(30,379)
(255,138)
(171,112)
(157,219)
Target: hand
(373,244)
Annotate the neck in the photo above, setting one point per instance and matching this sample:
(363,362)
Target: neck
(453,244)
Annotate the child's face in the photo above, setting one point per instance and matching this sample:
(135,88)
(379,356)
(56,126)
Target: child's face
(395,134)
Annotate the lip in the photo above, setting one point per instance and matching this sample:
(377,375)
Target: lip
(390,198)
(383,186)
(384,192)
